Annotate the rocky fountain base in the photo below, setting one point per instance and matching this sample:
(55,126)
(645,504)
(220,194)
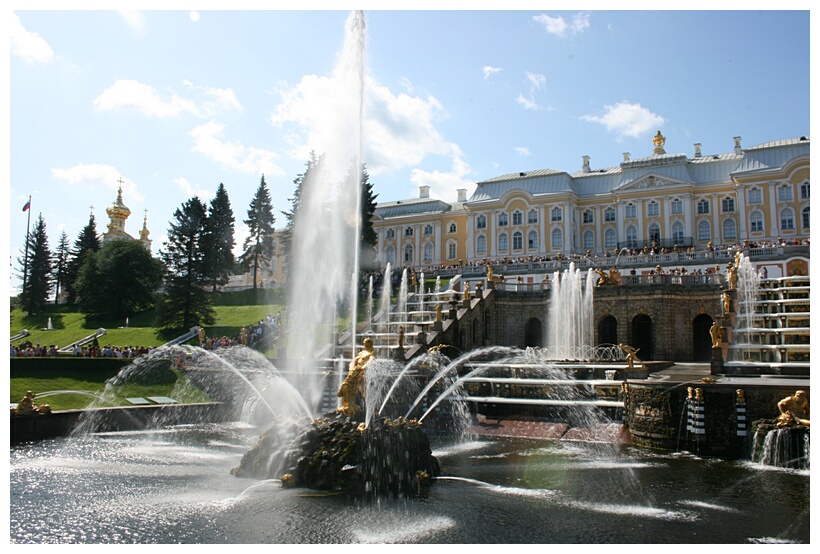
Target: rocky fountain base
(338,453)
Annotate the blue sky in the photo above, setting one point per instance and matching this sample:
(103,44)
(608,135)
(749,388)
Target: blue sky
(176,102)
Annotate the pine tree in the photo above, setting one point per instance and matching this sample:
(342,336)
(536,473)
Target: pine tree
(186,302)
(220,231)
(259,243)
(86,242)
(61,259)
(37,269)
(369,237)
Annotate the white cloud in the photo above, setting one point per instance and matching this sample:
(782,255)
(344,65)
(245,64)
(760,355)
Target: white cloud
(127,92)
(523,150)
(191,190)
(93,175)
(527,103)
(209,140)
(29,46)
(559,27)
(537,81)
(490,70)
(445,184)
(627,120)
(135,21)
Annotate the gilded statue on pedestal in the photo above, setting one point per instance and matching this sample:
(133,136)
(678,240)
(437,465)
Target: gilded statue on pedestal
(794,410)
(353,385)
(631,355)
(716,331)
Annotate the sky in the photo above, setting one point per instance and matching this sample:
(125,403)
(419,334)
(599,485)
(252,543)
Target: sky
(175,102)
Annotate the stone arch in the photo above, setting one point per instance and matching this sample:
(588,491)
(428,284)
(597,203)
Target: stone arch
(608,330)
(701,339)
(533,332)
(642,336)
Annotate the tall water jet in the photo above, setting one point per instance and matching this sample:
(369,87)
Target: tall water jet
(748,287)
(330,193)
(570,324)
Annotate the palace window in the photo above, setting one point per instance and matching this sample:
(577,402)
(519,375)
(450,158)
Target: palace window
(518,240)
(610,238)
(503,242)
(390,255)
(451,250)
(784,193)
(408,231)
(728,205)
(589,217)
(632,236)
(677,232)
(653,209)
(556,214)
(589,240)
(729,229)
(503,219)
(532,216)
(609,215)
(787,220)
(703,206)
(804,191)
(806,218)
(518,217)
(631,210)
(532,240)
(756,222)
(704,231)
(408,254)
(481,222)
(451,228)
(390,234)
(428,229)
(428,252)
(557,239)
(481,245)
(677,206)
(755,196)
(655,233)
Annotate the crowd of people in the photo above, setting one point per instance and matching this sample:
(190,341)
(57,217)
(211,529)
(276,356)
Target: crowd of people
(27,349)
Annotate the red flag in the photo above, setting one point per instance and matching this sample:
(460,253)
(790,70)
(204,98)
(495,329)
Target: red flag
(27,206)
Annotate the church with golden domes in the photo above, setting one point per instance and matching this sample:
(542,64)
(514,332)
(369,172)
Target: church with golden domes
(118,212)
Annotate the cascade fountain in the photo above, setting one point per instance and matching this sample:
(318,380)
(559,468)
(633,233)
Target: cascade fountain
(167,483)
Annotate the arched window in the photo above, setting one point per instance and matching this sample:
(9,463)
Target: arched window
(728,204)
(428,252)
(655,233)
(677,232)
(518,240)
(610,239)
(804,191)
(390,234)
(609,215)
(588,216)
(704,231)
(532,240)
(756,222)
(729,229)
(556,214)
(755,196)
(518,217)
(806,217)
(589,240)
(481,222)
(503,242)
(452,249)
(451,228)
(481,244)
(557,239)
(784,193)
(532,216)
(408,254)
(676,206)
(428,229)
(503,219)
(653,209)
(632,237)
(787,219)
(390,255)
(408,231)
(703,206)
(631,210)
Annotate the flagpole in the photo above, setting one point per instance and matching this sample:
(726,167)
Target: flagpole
(25,258)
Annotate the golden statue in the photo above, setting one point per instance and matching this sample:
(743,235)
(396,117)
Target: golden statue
(243,336)
(698,395)
(201,334)
(26,405)
(489,273)
(741,396)
(659,140)
(717,334)
(353,385)
(732,276)
(794,409)
(438,313)
(690,393)
(467,291)
(631,355)
(727,303)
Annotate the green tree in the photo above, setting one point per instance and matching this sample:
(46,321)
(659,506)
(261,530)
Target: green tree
(61,257)
(87,241)
(186,301)
(220,237)
(37,269)
(259,243)
(118,280)
(368,236)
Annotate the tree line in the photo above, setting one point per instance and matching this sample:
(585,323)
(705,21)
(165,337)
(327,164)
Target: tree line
(121,277)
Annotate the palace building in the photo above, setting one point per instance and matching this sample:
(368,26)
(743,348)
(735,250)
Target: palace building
(755,195)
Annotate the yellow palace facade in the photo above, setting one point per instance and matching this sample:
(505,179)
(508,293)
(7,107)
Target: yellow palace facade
(758,194)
